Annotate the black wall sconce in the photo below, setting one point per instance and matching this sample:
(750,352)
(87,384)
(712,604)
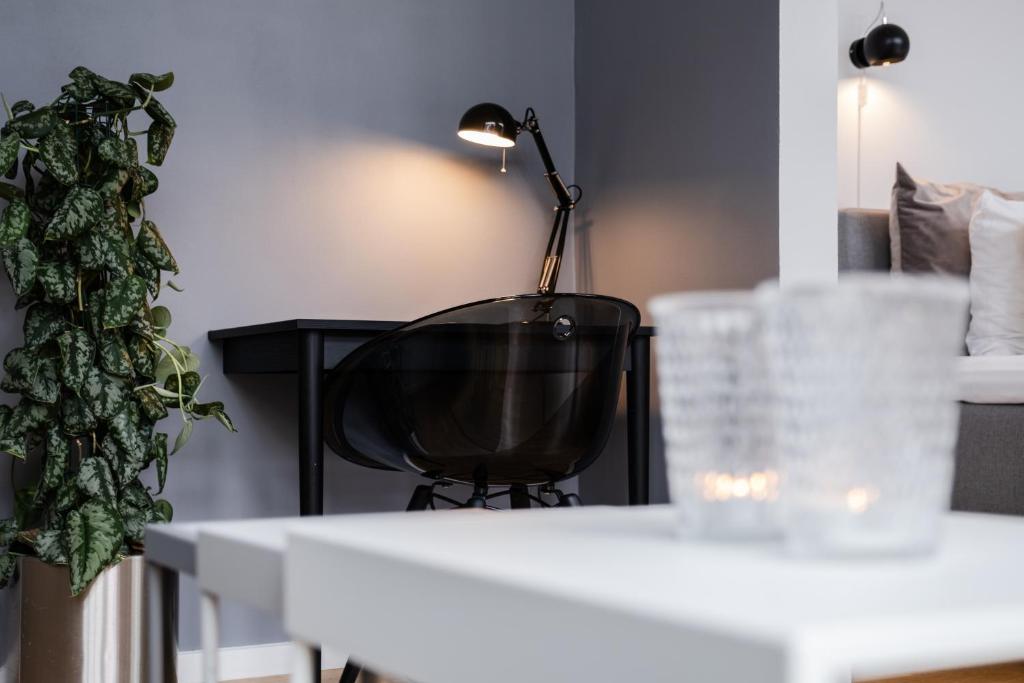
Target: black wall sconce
(882,45)
(492,125)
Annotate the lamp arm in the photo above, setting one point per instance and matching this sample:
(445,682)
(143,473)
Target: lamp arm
(566,203)
(562,194)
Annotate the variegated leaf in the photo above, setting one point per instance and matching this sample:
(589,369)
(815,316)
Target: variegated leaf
(80,210)
(59,151)
(34,124)
(105,394)
(114,90)
(59,281)
(83,80)
(124,297)
(163,511)
(77,351)
(94,536)
(67,495)
(21,262)
(145,269)
(14,223)
(215,410)
(22,107)
(76,417)
(135,520)
(57,451)
(103,249)
(50,548)
(117,152)
(95,479)
(146,181)
(149,82)
(126,467)
(43,322)
(188,385)
(9,146)
(144,357)
(31,374)
(114,356)
(158,141)
(150,244)
(27,417)
(94,311)
(114,182)
(152,406)
(158,112)
(158,454)
(125,428)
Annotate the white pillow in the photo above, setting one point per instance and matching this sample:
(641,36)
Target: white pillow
(997,277)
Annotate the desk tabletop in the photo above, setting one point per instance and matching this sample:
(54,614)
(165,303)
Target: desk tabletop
(611,594)
(343,327)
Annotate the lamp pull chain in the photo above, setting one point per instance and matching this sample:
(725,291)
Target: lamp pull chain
(503,169)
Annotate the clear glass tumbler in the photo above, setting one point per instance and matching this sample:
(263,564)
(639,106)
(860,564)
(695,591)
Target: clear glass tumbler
(866,411)
(716,414)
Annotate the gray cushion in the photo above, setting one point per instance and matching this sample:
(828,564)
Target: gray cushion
(928,225)
(863,239)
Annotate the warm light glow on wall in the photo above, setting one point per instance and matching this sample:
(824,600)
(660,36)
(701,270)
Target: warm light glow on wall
(383,228)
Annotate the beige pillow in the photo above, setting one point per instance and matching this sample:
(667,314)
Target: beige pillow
(929,224)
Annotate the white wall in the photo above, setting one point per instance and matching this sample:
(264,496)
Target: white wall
(315,173)
(952,111)
(807,141)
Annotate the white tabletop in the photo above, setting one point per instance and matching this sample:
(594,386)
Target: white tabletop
(243,560)
(610,594)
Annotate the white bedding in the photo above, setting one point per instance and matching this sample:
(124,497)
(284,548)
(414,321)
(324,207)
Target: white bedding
(991,379)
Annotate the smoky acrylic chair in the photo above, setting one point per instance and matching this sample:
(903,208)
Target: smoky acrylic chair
(501,395)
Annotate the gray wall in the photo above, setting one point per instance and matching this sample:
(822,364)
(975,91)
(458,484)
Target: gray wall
(315,173)
(677,150)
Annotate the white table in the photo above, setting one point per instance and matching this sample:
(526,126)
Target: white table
(610,595)
(170,551)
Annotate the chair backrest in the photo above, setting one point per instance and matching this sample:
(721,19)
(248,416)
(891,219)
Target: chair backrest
(863,239)
(518,390)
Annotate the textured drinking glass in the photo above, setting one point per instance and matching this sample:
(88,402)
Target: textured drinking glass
(867,415)
(716,414)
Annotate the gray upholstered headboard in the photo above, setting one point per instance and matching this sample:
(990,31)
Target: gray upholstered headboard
(863,239)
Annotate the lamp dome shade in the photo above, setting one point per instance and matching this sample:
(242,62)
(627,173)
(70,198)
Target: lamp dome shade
(884,45)
(489,124)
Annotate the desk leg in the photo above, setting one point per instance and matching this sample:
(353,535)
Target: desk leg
(209,635)
(311,423)
(638,420)
(311,432)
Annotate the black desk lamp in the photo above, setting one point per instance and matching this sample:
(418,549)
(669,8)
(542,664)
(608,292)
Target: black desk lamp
(492,125)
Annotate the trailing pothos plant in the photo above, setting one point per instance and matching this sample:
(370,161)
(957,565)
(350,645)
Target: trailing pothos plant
(97,372)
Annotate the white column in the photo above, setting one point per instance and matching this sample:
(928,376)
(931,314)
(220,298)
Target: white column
(808,72)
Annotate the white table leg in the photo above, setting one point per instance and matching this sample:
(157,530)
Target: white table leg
(209,625)
(304,664)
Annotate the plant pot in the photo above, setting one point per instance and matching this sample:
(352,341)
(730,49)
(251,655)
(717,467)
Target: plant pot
(104,635)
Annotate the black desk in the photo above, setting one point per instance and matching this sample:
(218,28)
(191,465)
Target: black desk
(308,347)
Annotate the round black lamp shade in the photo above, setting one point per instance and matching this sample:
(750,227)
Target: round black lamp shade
(489,124)
(884,45)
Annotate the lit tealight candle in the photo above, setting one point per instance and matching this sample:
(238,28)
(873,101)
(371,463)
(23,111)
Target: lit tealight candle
(722,486)
(860,498)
